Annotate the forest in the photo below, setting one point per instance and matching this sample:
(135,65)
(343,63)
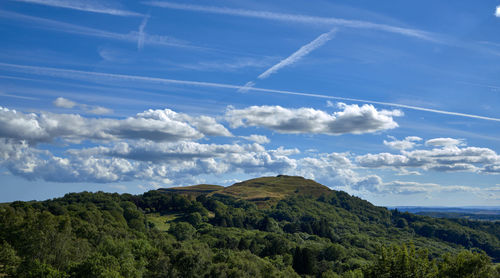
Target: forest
(169,233)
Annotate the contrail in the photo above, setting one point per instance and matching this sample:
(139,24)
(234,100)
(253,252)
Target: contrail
(299,54)
(295,57)
(85,6)
(49,24)
(78,74)
(297,18)
(140,39)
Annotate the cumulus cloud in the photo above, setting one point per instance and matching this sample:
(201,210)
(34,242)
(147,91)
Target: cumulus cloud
(165,163)
(159,147)
(497,11)
(99,110)
(492,169)
(351,119)
(155,125)
(64,103)
(180,162)
(160,151)
(142,160)
(409,187)
(444,142)
(408,143)
(334,169)
(260,139)
(449,155)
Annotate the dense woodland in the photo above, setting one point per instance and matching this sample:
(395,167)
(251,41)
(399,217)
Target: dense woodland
(166,234)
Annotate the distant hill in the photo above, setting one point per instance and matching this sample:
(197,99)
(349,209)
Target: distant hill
(473,213)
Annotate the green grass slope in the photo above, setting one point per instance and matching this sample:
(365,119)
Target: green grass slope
(193,190)
(269,190)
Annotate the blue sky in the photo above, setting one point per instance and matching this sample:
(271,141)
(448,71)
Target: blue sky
(392,101)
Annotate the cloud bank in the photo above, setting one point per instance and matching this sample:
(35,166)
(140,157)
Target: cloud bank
(154,125)
(164,147)
(445,155)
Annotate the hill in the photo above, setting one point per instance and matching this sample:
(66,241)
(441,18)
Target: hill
(266,191)
(304,229)
(193,190)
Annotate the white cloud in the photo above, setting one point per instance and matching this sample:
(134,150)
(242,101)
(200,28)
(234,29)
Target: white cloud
(333,169)
(407,187)
(64,103)
(299,54)
(99,110)
(260,139)
(157,152)
(155,125)
(206,125)
(110,77)
(492,169)
(351,119)
(449,155)
(408,143)
(297,18)
(161,164)
(497,11)
(143,160)
(445,142)
(87,6)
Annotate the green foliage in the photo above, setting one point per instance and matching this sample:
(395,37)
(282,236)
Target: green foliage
(182,230)
(467,264)
(401,262)
(9,261)
(312,232)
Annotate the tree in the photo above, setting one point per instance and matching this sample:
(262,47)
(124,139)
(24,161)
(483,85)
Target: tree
(401,262)
(182,230)
(9,261)
(466,264)
(304,260)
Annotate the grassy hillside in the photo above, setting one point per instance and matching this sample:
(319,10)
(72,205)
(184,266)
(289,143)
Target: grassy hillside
(266,227)
(193,190)
(266,191)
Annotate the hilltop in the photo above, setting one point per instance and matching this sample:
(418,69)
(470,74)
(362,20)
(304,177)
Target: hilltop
(264,191)
(274,188)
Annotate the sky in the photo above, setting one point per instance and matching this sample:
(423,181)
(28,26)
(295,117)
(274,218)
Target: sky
(392,101)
